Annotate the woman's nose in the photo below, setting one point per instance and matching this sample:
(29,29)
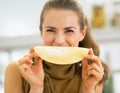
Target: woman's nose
(59,39)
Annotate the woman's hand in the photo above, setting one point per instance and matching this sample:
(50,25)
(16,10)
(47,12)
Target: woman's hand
(92,72)
(34,74)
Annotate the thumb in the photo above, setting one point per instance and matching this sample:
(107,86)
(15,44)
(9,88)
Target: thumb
(91,51)
(39,62)
(84,64)
(38,65)
(32,50)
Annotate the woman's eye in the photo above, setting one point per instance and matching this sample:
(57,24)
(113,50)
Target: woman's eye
(69,31)
(50,30)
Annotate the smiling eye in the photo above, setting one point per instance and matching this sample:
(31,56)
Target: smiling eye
(50,30)
(69,31)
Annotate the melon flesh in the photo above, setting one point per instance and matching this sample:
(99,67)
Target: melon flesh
(61,55)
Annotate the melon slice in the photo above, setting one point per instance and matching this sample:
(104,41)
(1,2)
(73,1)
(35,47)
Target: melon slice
(61,55)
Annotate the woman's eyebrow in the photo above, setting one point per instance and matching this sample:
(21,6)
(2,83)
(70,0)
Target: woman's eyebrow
(70,28)
(50,27)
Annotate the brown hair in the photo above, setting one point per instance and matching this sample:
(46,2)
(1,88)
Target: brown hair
(65,5)
(88,41)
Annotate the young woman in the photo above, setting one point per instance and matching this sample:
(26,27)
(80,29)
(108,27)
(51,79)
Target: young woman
(62,24)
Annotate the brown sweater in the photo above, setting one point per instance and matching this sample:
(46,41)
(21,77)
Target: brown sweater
(63,78)
(59,79)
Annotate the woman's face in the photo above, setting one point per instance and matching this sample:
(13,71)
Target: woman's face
(61,28)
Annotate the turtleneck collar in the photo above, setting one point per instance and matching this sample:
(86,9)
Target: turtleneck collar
(59,71)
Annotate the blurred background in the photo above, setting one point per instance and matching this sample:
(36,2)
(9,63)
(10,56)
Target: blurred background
(19,23)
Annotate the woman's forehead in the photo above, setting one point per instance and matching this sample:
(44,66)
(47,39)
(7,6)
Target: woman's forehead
(61,16)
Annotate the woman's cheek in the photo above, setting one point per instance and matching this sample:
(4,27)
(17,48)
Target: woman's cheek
(73,42)
(48,41)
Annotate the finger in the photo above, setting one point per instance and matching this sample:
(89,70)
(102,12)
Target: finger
(33,55)
(35,58)
(84,64)
(95,67)
(24,69)
(94,73)
(38,63)
(38,68)
(32,50)
(25,60)
(91,51)
(94,59)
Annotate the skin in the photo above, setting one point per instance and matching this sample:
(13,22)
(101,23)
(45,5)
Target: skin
(61,30)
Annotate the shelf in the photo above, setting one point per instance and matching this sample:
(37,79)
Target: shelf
(18,42)
(107,35)
(102,36)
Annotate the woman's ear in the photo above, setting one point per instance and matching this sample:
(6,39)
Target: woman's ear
(83,33)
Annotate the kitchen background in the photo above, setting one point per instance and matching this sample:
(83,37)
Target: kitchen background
(19,22)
